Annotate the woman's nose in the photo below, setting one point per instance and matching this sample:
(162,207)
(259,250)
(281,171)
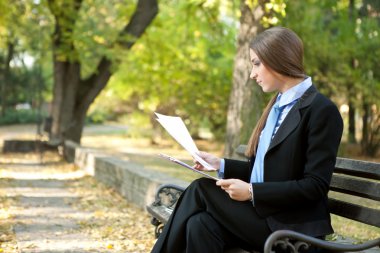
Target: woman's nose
(253,75)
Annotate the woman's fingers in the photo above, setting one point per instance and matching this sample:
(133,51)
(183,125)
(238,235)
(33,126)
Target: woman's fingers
(235,188)
(224,182)
(198,166)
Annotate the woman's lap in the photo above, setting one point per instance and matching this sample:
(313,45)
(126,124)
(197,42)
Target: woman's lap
(238,218)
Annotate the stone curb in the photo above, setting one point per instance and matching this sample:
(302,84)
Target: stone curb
(133,181)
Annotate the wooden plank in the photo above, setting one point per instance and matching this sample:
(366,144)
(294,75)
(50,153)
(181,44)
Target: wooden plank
(160,212)
(370,170)
(362,214)
(366,169)
(357,187)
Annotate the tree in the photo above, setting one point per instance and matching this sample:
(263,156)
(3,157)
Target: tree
(73,93)
(351,92)
(21,40)
(246,99)
(342,55)
(186,59)
(5,74)
(370,95)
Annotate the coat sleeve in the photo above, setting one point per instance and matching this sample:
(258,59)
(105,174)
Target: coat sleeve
(237,169)
(322,136)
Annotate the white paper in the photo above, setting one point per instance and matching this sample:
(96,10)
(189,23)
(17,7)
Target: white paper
(177,129)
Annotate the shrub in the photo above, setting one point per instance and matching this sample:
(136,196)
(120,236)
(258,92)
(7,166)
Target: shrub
(21,116)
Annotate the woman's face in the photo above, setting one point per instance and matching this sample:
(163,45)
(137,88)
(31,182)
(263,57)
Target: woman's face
(267,79)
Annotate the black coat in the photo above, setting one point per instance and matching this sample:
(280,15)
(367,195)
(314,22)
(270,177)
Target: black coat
(297,167)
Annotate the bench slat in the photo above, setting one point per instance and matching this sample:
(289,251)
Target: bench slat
(346,166)
(362,214)
(358,168)
(356,187)
(162,213)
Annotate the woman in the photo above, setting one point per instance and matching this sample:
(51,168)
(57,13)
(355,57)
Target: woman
(285,182)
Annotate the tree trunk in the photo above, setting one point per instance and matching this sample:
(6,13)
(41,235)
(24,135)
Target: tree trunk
(364,142)
(245,100)
(370,142)
(5,77)
(351,92)
(72,95)
(351,122)
(371,130)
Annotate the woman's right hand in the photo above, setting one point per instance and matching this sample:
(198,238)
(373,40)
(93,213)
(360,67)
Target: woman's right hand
(211,159)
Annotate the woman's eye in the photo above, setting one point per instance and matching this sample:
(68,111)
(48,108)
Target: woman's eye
(256,63)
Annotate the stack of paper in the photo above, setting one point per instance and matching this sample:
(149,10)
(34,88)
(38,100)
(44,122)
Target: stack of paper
(177,129)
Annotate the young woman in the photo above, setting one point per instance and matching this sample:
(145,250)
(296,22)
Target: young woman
(285,182)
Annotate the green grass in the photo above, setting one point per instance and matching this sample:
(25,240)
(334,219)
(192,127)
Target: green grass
(354,229)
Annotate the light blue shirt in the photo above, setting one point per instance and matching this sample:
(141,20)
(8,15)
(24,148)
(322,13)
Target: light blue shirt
(287,100)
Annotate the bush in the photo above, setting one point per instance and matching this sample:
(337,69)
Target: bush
(19,117)
(97,117)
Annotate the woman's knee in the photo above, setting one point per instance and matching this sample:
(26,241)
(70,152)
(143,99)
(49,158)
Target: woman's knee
(201,183)
(202,227)
(195,221)
(201,222)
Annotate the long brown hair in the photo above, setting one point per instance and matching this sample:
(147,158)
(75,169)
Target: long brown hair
(281,50)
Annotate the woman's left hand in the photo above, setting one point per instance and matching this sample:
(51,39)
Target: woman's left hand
(236,188)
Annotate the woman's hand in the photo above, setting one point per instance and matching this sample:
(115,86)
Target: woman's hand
(236,188)
(211,159)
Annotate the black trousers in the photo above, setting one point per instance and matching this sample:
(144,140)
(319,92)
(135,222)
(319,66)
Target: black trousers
(206,219)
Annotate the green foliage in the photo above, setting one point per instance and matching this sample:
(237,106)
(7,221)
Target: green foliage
(96,30)
(339,51)
(98,117)
(19,117)
(25,86)
(182,66)
(25,28)
(342,51)
(275,11)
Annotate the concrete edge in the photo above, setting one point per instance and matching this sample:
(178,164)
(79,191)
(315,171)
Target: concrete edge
(133,181)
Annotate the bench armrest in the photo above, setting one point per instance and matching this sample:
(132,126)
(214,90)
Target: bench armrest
(166,198)
(167,195)
(295,241)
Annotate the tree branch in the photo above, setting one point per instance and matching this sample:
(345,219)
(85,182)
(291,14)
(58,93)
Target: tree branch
(144,14)
(65,19)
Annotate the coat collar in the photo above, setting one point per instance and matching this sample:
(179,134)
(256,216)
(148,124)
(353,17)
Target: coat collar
(293,118)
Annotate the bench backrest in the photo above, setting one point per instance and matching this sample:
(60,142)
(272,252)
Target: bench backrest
(359,181)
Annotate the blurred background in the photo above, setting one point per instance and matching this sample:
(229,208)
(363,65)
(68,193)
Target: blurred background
(68,64)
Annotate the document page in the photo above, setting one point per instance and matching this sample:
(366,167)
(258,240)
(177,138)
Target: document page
(177,129)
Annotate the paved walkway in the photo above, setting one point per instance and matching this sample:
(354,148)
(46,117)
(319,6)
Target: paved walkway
(46,216)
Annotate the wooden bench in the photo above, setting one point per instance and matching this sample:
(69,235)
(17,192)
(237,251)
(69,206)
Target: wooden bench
(358,181)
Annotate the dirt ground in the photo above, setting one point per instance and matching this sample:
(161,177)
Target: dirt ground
(54,207)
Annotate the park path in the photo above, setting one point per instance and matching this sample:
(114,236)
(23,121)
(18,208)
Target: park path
(44,221)
(57,208)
